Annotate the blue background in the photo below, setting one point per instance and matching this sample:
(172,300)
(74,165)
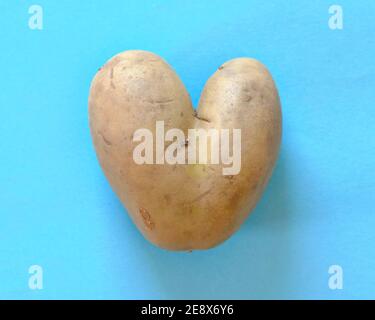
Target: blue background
(58,211)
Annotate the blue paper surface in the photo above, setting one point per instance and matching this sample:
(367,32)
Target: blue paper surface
(58,211)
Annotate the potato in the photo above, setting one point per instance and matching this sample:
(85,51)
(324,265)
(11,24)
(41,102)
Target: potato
(184,206)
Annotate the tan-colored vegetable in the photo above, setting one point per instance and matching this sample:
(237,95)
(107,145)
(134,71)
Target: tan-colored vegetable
(184,206)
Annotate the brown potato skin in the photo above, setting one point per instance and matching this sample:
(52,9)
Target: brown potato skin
(184,207)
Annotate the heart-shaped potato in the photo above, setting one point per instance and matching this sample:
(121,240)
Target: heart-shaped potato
(184,206)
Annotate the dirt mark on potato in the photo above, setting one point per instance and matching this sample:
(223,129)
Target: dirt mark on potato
(106,141)
(147,218)
(195,114)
